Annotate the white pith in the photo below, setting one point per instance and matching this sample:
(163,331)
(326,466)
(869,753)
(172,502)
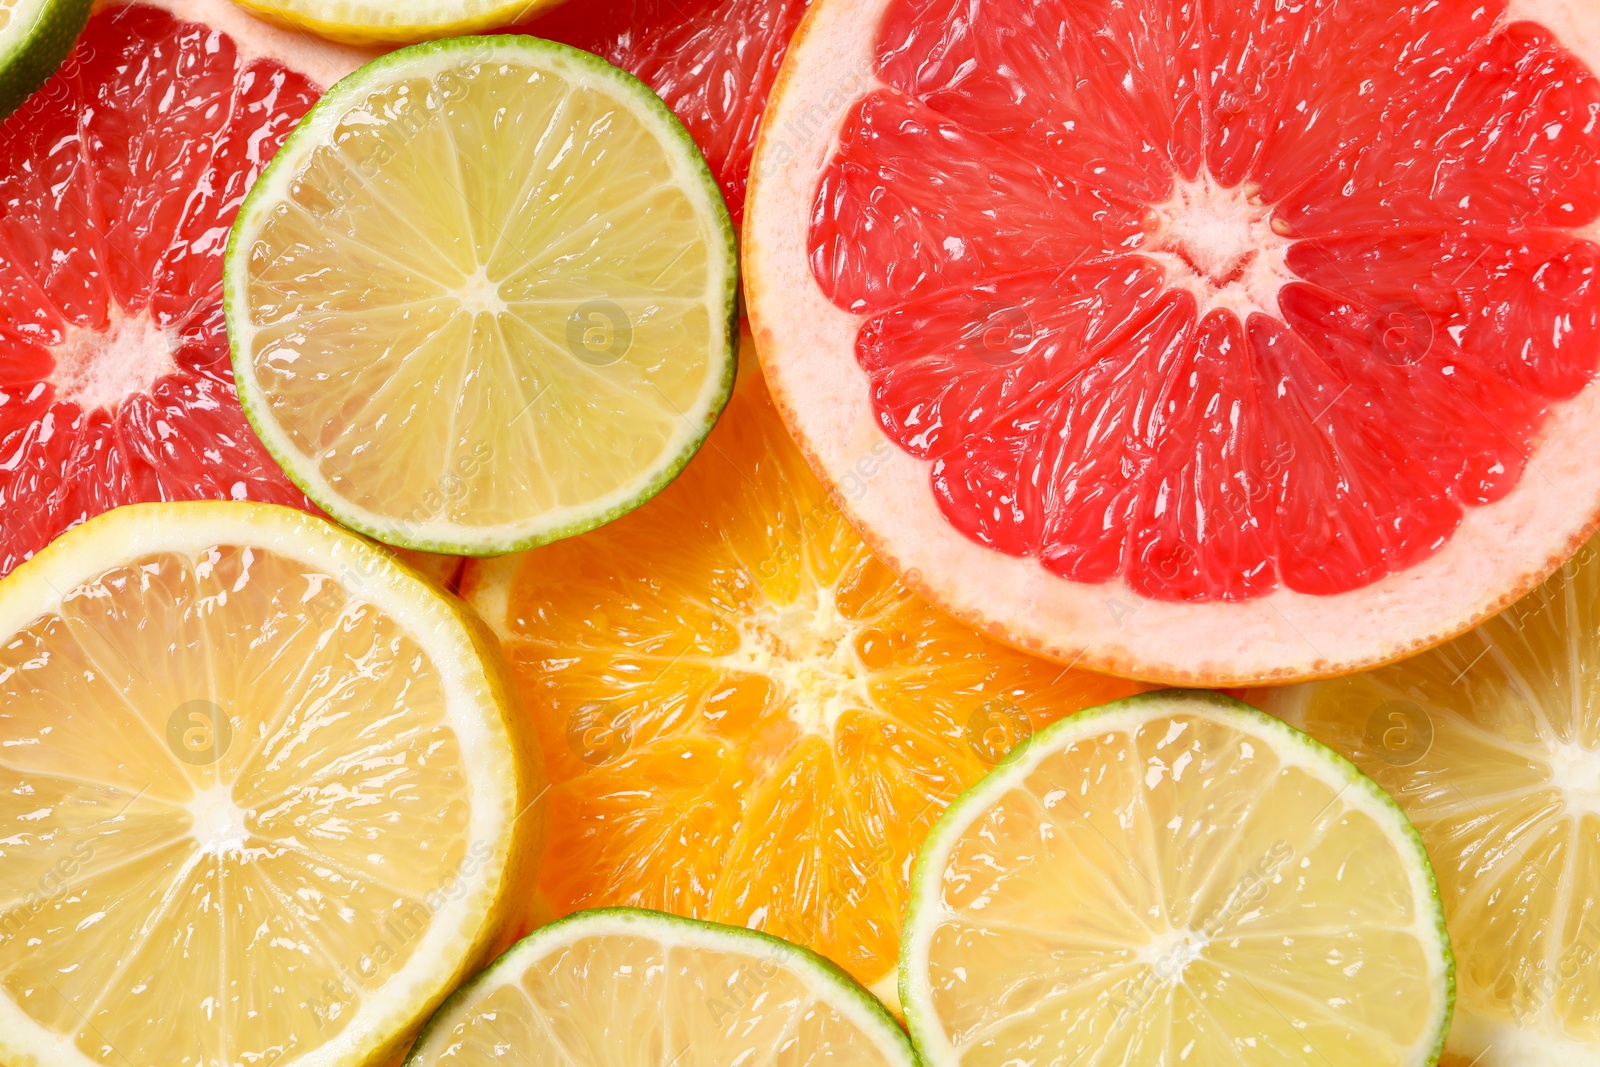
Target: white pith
(101,368)
(807,650)
(1170,950)
(826,987)
(1220,245)
(807,348)
(220,826)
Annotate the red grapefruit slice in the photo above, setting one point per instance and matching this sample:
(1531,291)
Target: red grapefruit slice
(712,61)
(1220,343)
(118,182)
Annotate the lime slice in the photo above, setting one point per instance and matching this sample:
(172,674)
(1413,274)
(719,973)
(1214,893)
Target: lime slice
(624,987)
(262,795)
(35,36)
(483,298)
(1175,878)
(396,21)
(1491,743)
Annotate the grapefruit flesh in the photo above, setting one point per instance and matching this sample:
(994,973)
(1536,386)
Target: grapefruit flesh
(1202,307)
(712,61)
(118,182)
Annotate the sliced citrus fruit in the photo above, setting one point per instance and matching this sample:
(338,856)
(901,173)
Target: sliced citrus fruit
(263,794)
(368,22)
(1492,745)
(118,181)
(1175,878)
(484,296)
(712,61)
(746,717)
(1280,321)
(35,36)
(630,988)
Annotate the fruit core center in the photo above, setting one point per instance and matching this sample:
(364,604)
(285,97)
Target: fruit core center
(1575,771)
(101,368)
(807,649)
(480,296)
(218,823)
(1171,951)
(1221,244)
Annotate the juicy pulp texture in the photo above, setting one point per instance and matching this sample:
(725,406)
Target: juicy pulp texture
(745,716)
(118,182)
(1175,889)
(712,61)
(1217,301)
(230,795)
(1492,745)
(483,299)
(626,999)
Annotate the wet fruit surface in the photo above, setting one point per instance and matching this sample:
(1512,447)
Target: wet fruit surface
(712,61)
(1160,297)
(118,182)
(746,717)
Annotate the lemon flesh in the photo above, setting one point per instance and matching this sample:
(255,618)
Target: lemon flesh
(624,987)
(1175,878)
(1491,743)
(259,797)
(483,298)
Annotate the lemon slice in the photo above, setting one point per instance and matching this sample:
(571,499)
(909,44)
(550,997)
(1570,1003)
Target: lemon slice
(623,987)
(483,298)
(1491,743)
(396,21)
(261,800)
(1175,879)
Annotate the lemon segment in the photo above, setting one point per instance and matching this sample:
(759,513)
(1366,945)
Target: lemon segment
(1175,878)
(261,799)
(624,987)
(1491,743)
(483,298)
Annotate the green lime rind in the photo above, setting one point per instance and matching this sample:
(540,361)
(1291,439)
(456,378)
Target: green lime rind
(308,134)
(33,45)
(849,997)
(926,874)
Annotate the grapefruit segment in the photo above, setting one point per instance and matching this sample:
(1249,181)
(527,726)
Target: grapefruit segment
(1195,309)
(118,181)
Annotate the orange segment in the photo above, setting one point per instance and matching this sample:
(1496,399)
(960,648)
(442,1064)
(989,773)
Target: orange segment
(746,717)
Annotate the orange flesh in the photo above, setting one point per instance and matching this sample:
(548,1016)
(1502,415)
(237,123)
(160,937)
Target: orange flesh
(745,716)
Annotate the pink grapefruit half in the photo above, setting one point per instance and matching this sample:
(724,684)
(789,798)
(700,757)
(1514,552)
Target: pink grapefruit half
(119,180)
(1219,343)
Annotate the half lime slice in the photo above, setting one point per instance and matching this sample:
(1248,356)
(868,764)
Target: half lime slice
(483,298)
(1175,878)
(35,36)
(628,987)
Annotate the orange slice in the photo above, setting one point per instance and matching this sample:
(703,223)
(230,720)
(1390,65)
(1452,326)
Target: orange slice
(746,717)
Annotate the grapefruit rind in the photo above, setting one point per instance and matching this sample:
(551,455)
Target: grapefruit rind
(823,978)
(1294,746)
(35,39)
(396,21)
(693,176)
(807,346)
(508,782)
